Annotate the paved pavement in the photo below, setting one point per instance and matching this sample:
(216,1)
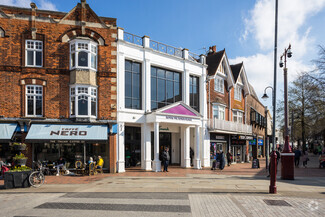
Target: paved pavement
(181,192)
(157,204)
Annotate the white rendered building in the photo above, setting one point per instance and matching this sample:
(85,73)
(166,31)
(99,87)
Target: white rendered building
(161,95)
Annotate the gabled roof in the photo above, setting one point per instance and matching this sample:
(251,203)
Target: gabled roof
(236,69)
(178,108)
(213,61)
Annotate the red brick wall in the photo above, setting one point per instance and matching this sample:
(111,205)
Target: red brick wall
(55,70)
(216,97)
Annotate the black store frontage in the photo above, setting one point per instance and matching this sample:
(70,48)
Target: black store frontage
(72,142)
(239,148)
(218,142)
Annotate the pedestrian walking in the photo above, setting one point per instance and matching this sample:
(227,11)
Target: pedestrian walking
(221,160)
(297,157)
(305,158)
(191,155)
(165,159)
(229,158)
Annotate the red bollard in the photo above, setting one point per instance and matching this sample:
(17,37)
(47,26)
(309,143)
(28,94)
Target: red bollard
(273,166)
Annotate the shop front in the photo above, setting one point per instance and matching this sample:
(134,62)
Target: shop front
(238,147)
(260,146)
(71,142)
(218,142)
(176,126)
(7,131)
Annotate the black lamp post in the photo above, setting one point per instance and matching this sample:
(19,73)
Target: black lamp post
(287,157)
(265,96)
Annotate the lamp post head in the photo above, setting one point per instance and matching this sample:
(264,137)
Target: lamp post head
(265,96)
(289,52)
(281,63)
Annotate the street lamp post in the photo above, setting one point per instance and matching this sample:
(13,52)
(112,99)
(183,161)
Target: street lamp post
(287,157)
(265,96)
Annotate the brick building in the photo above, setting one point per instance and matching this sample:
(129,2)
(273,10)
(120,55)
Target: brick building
(227,106)
(58,83)
(256,116)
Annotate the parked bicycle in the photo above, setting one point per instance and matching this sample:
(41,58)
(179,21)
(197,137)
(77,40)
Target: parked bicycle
(37,178)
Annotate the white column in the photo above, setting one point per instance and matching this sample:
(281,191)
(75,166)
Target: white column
(156,164)
(197,160)
(145,147)
(120,33)
(121,148)
(146,89)
(186,147)
(205,148)
(186,87)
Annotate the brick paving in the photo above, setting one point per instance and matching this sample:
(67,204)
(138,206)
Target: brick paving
(176,171)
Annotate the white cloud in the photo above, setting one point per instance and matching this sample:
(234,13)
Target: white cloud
(293,27)
(41,4)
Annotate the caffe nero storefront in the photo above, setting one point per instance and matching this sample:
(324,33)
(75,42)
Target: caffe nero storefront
(71,142)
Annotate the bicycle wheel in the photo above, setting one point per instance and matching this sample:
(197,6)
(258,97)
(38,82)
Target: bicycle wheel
(36,179)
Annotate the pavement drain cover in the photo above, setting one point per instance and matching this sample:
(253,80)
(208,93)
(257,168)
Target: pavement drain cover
(277,203)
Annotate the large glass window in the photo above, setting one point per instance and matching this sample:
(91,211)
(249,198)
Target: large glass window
(219,84)
(83,101)
(34,100)
(133,85)
(83,54)
(34,53)
(194,93)
(219,112)
(166,87)
(237,93)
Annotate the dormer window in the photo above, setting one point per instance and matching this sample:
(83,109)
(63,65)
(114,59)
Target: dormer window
(83,54)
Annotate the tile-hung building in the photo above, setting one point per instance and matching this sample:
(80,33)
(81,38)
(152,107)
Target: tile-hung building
(227,93)
(256,117)
(161,103)
(58,83)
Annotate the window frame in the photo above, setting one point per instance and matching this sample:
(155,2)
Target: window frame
(34,95)
(239,116)
(92,92)
(89,50)
(195,107)
(157,78)
(238,93)
(219,108)
(140,84)
(219,84)
(34,50)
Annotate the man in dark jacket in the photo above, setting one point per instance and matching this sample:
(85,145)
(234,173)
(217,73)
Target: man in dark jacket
(165,159)
(221,160)
(297,157)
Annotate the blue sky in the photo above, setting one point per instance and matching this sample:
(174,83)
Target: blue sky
(244,27)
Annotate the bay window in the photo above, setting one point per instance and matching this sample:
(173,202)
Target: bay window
(83,101)
(83,54)
(34,100)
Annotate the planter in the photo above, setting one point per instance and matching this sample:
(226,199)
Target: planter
(19,147)
(21,162)
(17,179)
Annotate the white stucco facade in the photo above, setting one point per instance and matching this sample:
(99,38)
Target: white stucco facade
(188,129)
